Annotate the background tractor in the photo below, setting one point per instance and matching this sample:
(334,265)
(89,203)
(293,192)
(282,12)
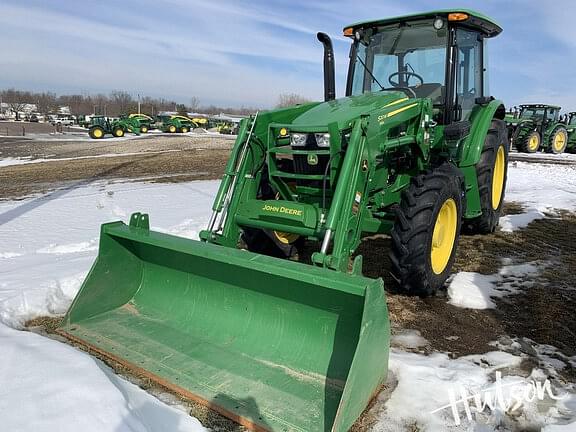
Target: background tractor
(100,126)
(571,129)
(145,121)
(175,123)
(416,149)
(538,128)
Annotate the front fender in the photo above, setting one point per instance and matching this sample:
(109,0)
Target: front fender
(480,119)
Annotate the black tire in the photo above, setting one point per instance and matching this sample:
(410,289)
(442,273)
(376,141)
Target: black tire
(118,132)
(413,230)
(552,139)
(144,129)
(523,144)
(96,132)
(495,139)
(266,242)
(184,129)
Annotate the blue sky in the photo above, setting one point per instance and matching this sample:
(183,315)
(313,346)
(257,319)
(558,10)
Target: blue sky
(248,52)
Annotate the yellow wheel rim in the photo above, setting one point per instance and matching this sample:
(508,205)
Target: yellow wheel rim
(559,141)
(184,130)
(534,142)
(172,129)
(443,236)
(144,130)
(286,238)
(498,177)
(97,133)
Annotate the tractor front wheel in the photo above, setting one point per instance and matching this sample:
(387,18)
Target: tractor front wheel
(96,132)
(184,130)
(426,230)
(491,172)
(558,141)
(144,129)
(118,132)
(530,143)
(172,129)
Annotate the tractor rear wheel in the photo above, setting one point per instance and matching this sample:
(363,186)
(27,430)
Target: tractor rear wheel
(172,129)
(426,230)
(530,143)
(118,132)
(558,141)
(491,172)
(96,132)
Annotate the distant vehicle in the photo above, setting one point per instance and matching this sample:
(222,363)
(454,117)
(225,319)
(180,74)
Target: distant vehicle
(62,121)
(33,118)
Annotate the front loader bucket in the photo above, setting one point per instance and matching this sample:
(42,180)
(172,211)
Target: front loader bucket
(275,345)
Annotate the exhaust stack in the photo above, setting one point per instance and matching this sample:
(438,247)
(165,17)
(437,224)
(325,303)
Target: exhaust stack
(329,81)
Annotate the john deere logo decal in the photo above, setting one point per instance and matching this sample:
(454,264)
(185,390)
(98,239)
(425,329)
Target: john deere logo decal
(312,159)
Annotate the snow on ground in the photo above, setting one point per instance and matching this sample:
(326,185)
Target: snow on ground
(427,385)
(49,386)
(541,188)
(475,291)
(27,160)
(47,246)
(48,243)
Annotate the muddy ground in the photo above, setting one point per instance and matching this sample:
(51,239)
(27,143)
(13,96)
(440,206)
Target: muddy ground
(542,312)
(69,164)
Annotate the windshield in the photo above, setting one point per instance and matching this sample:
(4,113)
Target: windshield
(407,56)
(572,120)
(527,113)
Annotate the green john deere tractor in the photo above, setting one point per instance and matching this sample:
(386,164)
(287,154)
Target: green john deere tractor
(100,126)
(145,121)
(539,128)
(416,149)
(175,123)
(571,130)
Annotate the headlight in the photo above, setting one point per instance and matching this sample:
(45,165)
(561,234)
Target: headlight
(298,139)
(322,139)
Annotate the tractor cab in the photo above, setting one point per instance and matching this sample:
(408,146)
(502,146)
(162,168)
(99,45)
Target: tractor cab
(438,55)
(571,119)
(539,113)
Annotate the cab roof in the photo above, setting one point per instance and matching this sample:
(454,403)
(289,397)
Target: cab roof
(475,20)
(539,106)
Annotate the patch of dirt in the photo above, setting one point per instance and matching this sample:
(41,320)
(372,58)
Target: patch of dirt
(544,311)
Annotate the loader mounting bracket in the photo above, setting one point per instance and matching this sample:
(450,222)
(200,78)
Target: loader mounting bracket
(140,220)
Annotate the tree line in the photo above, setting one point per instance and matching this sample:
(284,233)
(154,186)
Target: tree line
(121,102)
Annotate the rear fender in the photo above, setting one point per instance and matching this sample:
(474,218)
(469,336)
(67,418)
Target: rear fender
(480,119)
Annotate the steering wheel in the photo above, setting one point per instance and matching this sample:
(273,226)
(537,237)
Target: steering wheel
(407,75)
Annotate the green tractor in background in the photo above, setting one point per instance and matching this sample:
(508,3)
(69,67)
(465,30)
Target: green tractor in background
(100,126)
(416,149)
(145,121)
(538,127)
(175,123)
(571,129)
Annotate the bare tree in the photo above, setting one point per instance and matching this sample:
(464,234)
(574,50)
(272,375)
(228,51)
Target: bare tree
(182,109)
(121,102)
(16,100)
(194,103)
(290,99)
(46,103)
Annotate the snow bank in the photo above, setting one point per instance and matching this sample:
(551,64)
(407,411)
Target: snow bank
(47,386)
(44,264)
(475,291)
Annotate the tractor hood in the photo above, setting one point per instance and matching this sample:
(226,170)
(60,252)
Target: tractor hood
(346,109)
